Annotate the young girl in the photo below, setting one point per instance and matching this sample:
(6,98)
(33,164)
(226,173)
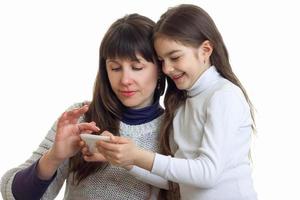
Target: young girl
(208,120)
(125,102)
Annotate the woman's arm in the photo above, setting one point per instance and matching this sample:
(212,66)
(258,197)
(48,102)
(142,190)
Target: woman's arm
(51,156)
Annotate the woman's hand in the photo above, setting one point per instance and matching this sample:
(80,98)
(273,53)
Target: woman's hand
(67,137)
(89,156)
(66,143)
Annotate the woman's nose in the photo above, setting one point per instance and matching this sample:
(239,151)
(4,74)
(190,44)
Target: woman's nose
(126,78)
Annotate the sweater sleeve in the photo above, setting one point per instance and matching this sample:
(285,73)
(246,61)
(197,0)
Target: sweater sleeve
(10,179)
(148,177)
(225,110)
(7,180)
(27,184)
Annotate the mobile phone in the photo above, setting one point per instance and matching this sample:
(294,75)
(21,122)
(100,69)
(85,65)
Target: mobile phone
(91,140)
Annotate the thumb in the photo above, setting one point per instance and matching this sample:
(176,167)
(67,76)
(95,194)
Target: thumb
(95,157)
(120,140)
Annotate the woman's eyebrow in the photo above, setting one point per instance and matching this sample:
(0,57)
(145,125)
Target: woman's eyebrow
(112,61)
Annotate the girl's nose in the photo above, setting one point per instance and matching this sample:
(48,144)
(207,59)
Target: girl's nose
(167,68)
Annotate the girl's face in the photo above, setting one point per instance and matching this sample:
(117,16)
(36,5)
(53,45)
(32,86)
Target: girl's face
(133,81)
(183,64)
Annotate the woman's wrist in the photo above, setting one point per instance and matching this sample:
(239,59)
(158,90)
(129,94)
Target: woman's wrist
(52,159)
(47,166)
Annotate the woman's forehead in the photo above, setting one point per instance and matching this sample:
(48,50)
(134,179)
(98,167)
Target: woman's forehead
(137,58)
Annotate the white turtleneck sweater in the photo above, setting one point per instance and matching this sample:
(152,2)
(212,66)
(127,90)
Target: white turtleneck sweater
(211,142)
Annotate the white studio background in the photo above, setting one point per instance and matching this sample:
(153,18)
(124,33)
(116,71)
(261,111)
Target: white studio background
(49,59)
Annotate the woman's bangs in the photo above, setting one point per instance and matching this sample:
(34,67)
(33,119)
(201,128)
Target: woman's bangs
(126,44)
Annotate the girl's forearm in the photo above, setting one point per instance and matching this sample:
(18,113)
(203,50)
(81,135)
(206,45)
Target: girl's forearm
(145,159)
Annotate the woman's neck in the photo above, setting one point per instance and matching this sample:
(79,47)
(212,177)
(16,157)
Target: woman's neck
(142,115)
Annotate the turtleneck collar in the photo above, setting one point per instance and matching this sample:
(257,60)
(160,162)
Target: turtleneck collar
(206,79)
(143,115)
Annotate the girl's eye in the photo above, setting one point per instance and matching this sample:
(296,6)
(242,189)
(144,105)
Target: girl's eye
(175,58)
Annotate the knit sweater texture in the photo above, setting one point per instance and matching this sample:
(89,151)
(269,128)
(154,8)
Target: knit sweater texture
(111,183)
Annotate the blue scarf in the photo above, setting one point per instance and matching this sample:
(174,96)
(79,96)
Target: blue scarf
(143,115)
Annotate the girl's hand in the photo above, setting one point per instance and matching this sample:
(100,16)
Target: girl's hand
(119,151)
(67,137)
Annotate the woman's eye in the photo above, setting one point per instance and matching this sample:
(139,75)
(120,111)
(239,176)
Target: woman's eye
(137,68)
(115,68)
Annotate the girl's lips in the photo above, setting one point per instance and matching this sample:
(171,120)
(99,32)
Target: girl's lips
(178,76)
(127,93)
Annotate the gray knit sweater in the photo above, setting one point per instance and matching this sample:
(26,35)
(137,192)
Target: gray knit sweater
(111,183)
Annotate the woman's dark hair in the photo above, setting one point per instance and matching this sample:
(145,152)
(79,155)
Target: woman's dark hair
(127,37)
(191,26)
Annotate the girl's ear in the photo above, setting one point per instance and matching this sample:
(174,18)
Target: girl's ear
(206,49)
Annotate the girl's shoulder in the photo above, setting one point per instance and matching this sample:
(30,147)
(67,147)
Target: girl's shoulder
(228,93)
(225,87)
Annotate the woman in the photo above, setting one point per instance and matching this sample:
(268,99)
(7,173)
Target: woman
(125,102)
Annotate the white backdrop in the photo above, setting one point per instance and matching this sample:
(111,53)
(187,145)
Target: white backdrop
(49,59)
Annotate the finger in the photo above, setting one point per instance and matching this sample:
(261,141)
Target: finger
(89,158)
(74,114)
(96,157)
(87,103)
(120,140)
(107,133)
(88,131)
(80,111)
(85,151)
(88,127)
(116,139)
(92,122)
(82,144)
(106,146)
(104,152)
(61,120)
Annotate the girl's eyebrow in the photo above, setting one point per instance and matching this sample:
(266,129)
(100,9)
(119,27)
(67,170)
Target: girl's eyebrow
(171,52)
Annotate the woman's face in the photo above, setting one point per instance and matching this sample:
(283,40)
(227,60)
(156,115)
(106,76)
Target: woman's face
(133,81)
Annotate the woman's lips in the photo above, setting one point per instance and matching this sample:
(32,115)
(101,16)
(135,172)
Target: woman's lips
(127,93)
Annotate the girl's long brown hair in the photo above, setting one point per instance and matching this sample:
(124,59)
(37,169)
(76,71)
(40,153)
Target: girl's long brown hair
(191,26)
(125,38)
